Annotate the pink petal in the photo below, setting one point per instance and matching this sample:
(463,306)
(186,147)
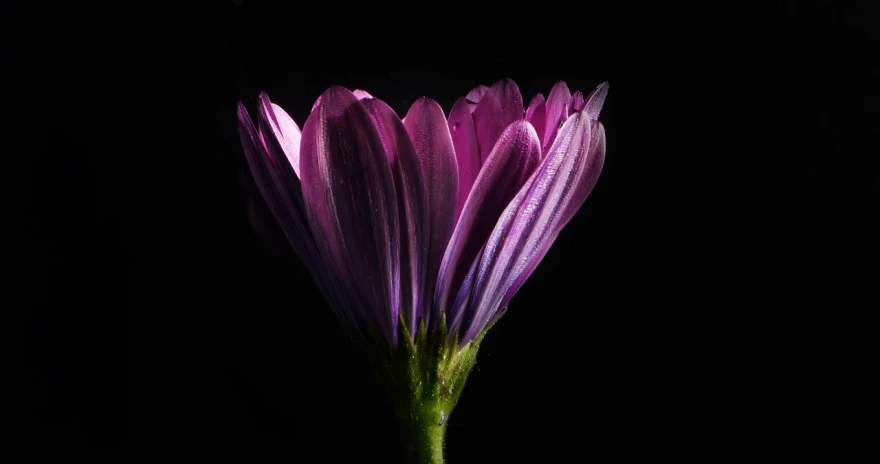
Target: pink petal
(556,112)
(361,94)
(426,125)
(412,208)
(509,165)
(537,114)
(500,106)
(351,204)
(283,128)
(476,94)
(467,152)
(577,103)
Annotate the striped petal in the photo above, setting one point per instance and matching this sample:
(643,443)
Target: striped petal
(426,125)
(467,152)
(531,222)
(594,102)
(351,205)
(500,106)
(512,161)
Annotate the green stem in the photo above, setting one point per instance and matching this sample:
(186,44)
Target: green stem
(427,442)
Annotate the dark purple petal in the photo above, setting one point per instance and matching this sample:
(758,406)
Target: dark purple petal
(351,205)
(412,208)
(510,164)
(531,222)
(596,100)
(426,125)
(274,120)
(500,106)
(577,103)
(537,115)
(467,152)
(281,190)
(556,112)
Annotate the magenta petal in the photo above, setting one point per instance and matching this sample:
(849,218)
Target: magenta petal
(531,222)
(509,165)
(412,208)
(577,103)
(467,152)
(283,128)
(596,99)
(426,125)
(476,94)
(536,114)
(351,205)
(556,112)
(500,106)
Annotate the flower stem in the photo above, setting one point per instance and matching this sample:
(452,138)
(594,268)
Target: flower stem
(426,440)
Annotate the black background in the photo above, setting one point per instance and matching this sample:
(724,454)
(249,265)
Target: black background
(713,301)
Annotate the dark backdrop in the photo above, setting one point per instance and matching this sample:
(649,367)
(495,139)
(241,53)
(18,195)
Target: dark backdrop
(713,301)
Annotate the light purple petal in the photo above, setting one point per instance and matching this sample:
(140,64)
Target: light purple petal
(534,218)
(556,112)
(361,94)
(426,125)
(351,205)
(412,208)
(512,161)
(467,152)
(500,106)
(596,99)
(283,128)
(577,103)
(537,115)
(281,190)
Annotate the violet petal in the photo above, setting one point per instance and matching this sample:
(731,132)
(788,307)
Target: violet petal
(500,106)
(351,205)
(467,152)
(426,125)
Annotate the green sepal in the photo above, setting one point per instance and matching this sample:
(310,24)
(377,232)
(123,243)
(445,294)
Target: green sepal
(425,375)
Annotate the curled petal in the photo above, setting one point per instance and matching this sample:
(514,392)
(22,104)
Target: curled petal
(351,205)
(513,159)
(500,106)
(537,114)
(412,208)
(476,94)
(531,222)
(467,152)
(426,125)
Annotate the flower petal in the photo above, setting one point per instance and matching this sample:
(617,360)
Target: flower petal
(500,106)
(537,114)
(510,164)
(412,208)
(283,128)
(577,103)
(467,152)
(556,112)
(596,99)
(426,125)
(476,94)
(351,205)
(361,94)
(532,221)
(281,190)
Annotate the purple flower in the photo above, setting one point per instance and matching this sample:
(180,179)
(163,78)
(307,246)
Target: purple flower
(426,219)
